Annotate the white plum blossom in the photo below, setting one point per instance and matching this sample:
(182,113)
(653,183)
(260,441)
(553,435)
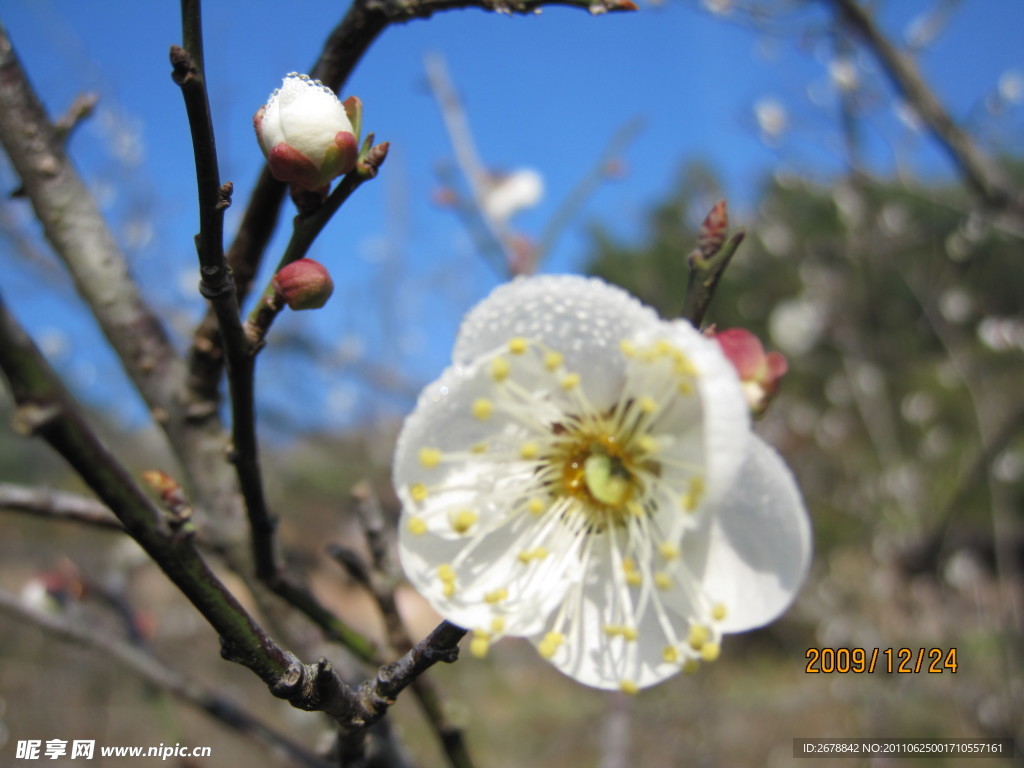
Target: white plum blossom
(307,135)
(585,475)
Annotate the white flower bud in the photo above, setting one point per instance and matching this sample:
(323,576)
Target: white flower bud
(306,134)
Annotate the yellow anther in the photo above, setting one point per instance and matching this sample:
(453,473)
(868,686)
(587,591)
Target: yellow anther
(612,630)
(498,624)
(529,450)
(518,345)
(718,611)
(500,368)
(445,572)
(496,596)
(628,686)
(536,506)
(570,381)
(662,580)
(482,408)
(699,635)
(635,508)
(668,550)
(670,654)
(693,497)
(629,633)
(683,365)
(533,554)
(480,643)
(553,359)
(478,448)
(628,564)
(430,457)
(418,492)
(685,388)
(416,526)
(463,520)
(664,347)
(634,579)
(627,347)
(710,651)
(647,404)
(448,588)
(690,666)
(549,645)
(647,444)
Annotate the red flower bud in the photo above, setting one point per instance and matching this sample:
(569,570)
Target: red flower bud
(759,372)
(304,284)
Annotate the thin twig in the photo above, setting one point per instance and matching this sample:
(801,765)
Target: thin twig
(152,670)
(218,287)
(980,173)
(57,505)
(708,262)
(364,21)
(78,234)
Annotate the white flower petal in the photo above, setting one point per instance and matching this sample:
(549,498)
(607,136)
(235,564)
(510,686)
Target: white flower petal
(724,415)
(757,547)
(583,319)
(306,115)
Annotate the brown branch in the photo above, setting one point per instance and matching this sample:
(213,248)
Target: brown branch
(78,234)
(987,180)
(152,670)
(708,263)
(343,49)
(57,505)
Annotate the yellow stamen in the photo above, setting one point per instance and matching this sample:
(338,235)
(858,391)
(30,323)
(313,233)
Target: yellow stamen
(668,550)
(670,654)
(482,408)
(517,345)
(498,624)
(662,580)
(529,450)
(535,506)
(570,381)
(627,347)
(718,611)
(549,645)
(418,492)
(553,359)
(430,457)
(480,643)
(496,596)
(628,687)
(463,520)
(710,651)
(416,526)
(445,572)
(648,404)
(500,368)
(699,635)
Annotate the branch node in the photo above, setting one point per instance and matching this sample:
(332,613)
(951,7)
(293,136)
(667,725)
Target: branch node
(224,195)
(184,68)
(31,418)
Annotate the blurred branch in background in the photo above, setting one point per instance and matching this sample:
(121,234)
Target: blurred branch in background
(496,197)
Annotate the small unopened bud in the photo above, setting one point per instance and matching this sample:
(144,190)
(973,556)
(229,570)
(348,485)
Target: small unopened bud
(759,372)
(303,284)
(307,135)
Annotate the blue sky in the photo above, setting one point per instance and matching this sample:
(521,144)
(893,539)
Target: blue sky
(545,91)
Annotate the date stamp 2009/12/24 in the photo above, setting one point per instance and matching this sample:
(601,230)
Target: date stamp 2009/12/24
(891,660)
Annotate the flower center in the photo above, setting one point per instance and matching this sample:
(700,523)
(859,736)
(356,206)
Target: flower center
(600,472)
